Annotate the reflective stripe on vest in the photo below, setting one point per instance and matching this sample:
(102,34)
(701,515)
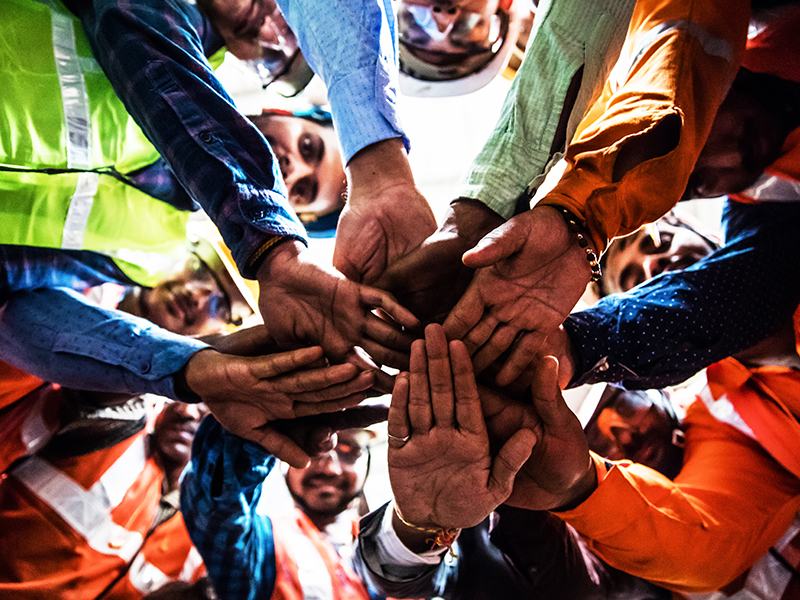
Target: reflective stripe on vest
(723,410)
(773,188)
(88,512)
(712,45)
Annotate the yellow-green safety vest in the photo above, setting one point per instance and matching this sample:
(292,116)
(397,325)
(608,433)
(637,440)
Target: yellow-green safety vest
(64,133)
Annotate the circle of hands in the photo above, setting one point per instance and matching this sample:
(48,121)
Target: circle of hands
(457,450)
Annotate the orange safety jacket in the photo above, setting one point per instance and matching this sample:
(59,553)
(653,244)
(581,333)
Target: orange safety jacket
(72,526)
(14,384)
(737,493)
(308,565)
(27,424)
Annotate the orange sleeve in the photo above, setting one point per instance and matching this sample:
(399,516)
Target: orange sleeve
(677,62)
(724,510)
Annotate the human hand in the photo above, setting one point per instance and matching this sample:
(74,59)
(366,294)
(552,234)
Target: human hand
(430,279)
(250,341)
(531,273)
(559,472)
(443,476)
(304,303)
(385,216)
(247,394)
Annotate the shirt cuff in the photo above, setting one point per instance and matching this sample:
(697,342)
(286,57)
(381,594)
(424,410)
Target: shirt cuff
(364,110)
(391,551)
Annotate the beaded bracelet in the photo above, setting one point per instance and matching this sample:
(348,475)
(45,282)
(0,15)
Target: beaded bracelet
(579,229)
(442,537)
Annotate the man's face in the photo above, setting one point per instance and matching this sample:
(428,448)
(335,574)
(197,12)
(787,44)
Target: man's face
(330,483)
(174,431)
(745,139)
(638,257)
(189,303)
(636,426)
(252,29)
(436,28)
(310,162)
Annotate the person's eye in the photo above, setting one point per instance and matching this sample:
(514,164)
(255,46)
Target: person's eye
(310,148)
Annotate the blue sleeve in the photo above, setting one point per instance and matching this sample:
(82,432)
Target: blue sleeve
(220,490)
(58,335)
(665,330)
(152,52)
(352,46)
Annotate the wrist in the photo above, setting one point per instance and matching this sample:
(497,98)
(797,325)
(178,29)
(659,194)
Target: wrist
(581,240)
(421,538)
(192,378)
(580,491)
(378,167)
(279,258)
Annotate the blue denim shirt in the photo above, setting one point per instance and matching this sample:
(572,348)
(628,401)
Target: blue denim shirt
(52,331)
(669,328)
(153,52)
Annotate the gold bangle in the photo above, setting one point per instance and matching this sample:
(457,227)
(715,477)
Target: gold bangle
(441,537)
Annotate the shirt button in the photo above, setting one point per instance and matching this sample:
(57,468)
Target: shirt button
(206,137)
(144,367)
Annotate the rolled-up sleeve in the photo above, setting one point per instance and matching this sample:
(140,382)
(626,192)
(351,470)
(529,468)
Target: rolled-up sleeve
(152,52)
(352,46)
(220,490)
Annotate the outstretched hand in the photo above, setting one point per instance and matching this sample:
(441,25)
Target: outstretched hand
(304,303)
(430,279)
(247,394)
(531,273)
(385,217)
(443,475)
(559,472)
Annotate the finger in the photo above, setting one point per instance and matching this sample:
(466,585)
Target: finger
(440,376)
(275,364)
(547,399)
(375,298)
(493,247)
(305,409)
(387,334)
(469,415)
(478,335)
(514,453)
(467,312)
(383,384)
(398,426)
(280,446)
(419,397)
(358,385)
(502,337)
(351,418)
(315,380)
(521,357)
(385,356)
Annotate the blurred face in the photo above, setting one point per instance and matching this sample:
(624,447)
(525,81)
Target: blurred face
(437,27)
(638,257)
(190,303)
(310,162)
(252,29)
(174,431)
(745,139)
(330,483)
(635,427)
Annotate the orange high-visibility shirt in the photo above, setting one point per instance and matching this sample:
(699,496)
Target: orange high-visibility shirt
(736,495)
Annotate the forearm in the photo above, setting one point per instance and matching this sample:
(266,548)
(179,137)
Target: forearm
(58,335)
(630,159)
(358,65)
(701,314)
(220,490)
(568,57)
(152,52)
(686,535)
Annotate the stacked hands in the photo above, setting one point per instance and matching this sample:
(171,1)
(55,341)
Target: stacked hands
(502,289)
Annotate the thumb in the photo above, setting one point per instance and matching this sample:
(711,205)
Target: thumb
(546,394)
(279,445)
(514,453)
(493,247)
